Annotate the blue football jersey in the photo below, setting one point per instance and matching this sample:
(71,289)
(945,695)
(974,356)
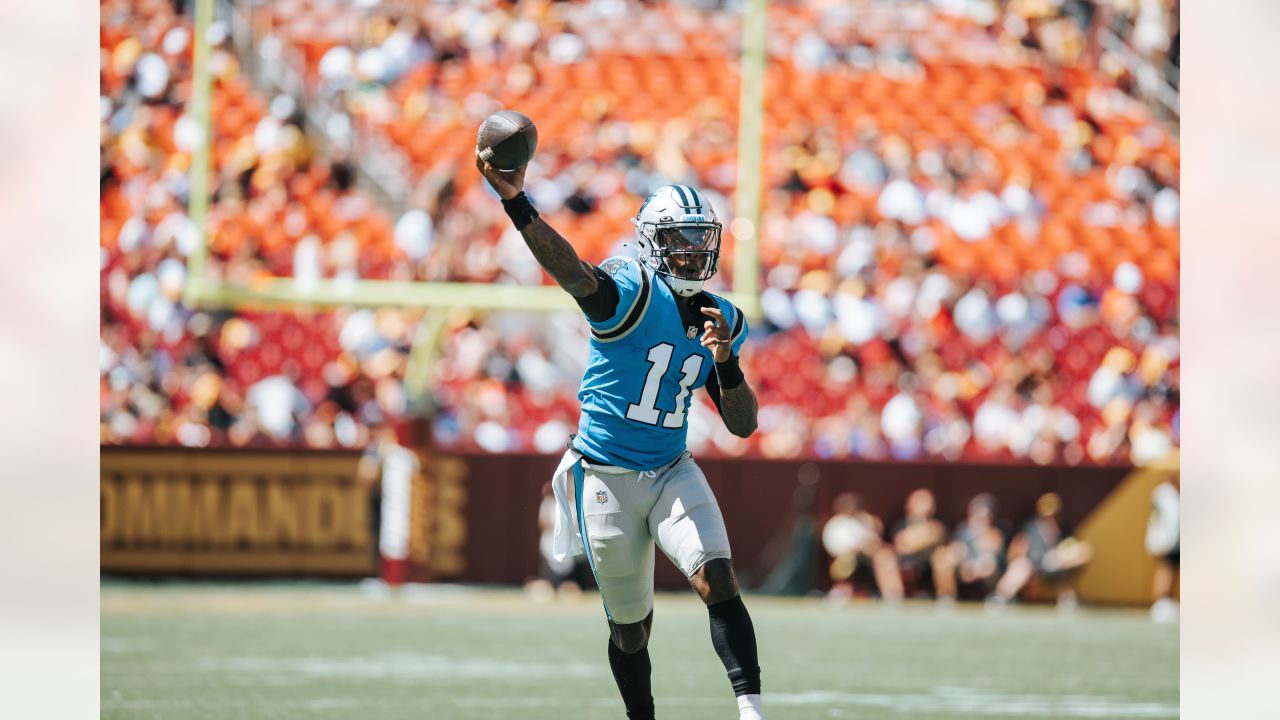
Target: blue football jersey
(645,362)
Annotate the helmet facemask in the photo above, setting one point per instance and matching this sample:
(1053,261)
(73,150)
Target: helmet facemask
(690,252)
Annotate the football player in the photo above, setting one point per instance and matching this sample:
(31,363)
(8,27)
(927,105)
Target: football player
(627,481)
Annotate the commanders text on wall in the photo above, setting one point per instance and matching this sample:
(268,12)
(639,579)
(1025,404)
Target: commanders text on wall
(167,511)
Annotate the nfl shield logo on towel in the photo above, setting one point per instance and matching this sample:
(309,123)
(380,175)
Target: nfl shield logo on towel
(602,497)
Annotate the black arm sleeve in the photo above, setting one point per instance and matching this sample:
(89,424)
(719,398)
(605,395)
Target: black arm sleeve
(713,390)
(603,303)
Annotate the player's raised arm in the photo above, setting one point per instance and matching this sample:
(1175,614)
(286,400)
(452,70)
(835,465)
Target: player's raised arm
(553,252)
(731,393)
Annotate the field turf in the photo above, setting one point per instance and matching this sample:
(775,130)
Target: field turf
(300,652)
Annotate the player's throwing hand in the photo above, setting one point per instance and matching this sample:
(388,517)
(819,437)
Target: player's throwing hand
(715,335)
(507,183)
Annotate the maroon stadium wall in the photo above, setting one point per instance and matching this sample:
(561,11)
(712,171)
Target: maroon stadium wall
(474,516)
(758,501)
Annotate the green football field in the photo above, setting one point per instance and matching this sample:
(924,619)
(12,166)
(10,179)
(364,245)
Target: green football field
(339,651)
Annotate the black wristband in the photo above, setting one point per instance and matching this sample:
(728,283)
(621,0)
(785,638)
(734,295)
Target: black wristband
(520,210)
(730,373)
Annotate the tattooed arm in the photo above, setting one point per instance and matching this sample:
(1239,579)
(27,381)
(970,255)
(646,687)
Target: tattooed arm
(559,259)
(737,406)
(552,251)
(737,403)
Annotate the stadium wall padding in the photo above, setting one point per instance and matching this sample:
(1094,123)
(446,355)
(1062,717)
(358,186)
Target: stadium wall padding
(238,513)
(474,516)
(758,500)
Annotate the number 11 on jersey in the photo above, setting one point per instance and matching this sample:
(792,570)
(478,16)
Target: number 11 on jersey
(646,411)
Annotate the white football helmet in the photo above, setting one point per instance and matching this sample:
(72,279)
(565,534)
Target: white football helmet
(679,237)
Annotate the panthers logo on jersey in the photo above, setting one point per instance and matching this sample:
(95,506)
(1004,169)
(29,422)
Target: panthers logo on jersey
(613,266)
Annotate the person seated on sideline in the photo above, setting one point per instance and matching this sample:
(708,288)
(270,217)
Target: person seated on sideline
(1040,552)
(976,553)
(563,576)
(920,541)
(852,536)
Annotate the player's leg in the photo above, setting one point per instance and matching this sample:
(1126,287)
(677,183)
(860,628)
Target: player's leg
(1164,609)
(1018,574)
(621,555)
(632,670)
(884,565)
(944,573)
(630,621)
(631,638)
(715,581)
(732,634)
(687,525)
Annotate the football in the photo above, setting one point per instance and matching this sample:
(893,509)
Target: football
(507,140)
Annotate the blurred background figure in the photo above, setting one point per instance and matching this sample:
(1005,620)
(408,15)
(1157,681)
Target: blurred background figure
(787,564)
(920,541)
(1040,552)
(852,538)
(977,548)
(1164,542)
(279,404)
(388,468)
(554,576)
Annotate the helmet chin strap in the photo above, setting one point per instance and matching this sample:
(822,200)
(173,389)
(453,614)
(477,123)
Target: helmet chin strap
(682,287)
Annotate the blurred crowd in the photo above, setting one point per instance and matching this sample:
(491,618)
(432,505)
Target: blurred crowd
(1070,31)
(969,235)
(173,375)
(982,558)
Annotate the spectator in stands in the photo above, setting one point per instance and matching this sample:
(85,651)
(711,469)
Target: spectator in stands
(852,538)
(278,403)
(977,547)
(902,421)
(920,542)
(1041,553)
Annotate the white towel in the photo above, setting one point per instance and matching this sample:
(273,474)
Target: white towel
(566,540)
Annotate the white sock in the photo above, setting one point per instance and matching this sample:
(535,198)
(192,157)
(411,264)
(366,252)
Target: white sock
(749,708)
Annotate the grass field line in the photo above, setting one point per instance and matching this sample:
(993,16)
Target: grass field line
(125,601)
(403,666)
(944,701)
(968,701)
(415,668)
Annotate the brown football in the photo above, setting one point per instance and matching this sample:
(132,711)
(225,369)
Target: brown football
(507,139)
